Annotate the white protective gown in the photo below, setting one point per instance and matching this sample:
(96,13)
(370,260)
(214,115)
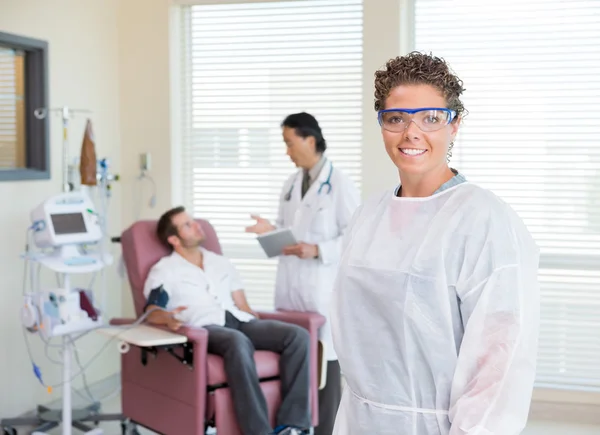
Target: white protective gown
(322,219)
(435,316)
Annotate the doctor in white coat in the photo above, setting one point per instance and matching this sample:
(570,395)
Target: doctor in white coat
(317,203)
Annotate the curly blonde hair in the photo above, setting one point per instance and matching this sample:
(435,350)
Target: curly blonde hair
(419,69)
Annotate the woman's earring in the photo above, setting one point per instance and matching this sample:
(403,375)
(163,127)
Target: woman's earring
(449,154)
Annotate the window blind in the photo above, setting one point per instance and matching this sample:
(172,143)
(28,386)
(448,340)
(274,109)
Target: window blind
(8,108)
(531,70)
(245,67)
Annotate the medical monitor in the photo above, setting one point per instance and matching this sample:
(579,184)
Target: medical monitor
(68,223)
(65,219)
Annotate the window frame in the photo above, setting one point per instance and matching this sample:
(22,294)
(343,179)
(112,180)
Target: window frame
(37,143)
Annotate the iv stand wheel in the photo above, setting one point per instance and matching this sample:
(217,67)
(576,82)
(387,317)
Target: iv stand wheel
(128,428)
(9,431)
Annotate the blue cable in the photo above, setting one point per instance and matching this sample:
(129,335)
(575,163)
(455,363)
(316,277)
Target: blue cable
(38,373)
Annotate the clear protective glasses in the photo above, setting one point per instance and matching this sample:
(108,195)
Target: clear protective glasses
(427,119)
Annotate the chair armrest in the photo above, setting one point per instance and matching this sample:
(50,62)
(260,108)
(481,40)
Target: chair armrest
(198,336)
(163,386)
(310,321)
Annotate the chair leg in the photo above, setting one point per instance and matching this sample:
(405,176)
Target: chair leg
(128,427)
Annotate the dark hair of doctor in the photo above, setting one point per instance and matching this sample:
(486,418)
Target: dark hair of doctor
(305,125)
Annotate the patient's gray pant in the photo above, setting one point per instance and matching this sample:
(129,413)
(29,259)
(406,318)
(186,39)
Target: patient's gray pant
(236,342)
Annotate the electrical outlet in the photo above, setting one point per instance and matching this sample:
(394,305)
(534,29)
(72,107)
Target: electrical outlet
(145,162)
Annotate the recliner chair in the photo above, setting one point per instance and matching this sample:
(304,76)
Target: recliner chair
(182,390)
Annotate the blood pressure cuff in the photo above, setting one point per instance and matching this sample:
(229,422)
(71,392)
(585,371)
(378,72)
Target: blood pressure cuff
(158,296)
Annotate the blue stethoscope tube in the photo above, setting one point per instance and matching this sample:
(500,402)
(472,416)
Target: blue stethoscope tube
(326,183)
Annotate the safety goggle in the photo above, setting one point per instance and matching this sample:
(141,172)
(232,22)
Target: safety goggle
(427,119)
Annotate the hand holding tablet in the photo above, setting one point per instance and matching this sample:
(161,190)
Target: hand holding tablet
(275,241)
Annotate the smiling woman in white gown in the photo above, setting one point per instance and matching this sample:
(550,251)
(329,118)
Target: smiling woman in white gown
(435,312)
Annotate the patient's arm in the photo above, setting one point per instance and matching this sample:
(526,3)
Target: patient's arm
(156,307)
(162,317)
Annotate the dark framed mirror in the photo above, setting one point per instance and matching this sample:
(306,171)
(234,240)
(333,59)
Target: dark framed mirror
(24,138)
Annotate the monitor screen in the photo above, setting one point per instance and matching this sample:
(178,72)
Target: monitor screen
(68,223)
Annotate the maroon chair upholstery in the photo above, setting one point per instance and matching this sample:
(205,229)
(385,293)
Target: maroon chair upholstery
(170,397)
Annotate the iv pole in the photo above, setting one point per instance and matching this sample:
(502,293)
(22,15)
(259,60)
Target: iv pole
(66,112)
(66,115)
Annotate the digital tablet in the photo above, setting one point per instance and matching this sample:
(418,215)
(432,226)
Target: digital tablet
(273,242)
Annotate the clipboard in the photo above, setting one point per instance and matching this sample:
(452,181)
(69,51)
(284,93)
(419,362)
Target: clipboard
(273,242)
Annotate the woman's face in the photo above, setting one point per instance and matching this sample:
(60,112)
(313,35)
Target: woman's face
(432,146)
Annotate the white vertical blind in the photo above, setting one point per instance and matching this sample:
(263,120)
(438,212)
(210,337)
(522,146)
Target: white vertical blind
(8,109)
(531,70)
(245,67)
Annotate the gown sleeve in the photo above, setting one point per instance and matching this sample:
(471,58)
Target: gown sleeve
(499,303)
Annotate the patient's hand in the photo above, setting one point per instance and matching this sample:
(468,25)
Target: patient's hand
(172,323)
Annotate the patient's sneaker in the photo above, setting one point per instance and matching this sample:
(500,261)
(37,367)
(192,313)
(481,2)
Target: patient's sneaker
(290,430)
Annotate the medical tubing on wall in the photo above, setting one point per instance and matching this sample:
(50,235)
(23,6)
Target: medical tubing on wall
(138,202)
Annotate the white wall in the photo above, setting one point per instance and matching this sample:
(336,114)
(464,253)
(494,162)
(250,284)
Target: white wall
(384,38)
(83,58)
(145,109)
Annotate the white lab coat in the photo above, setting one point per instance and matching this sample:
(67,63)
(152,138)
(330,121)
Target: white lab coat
(435,316)
(322,219)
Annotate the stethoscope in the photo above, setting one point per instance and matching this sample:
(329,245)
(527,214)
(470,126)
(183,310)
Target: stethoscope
(326,183)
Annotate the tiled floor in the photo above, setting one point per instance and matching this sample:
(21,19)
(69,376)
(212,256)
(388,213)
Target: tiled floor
(533,428)
(552,428)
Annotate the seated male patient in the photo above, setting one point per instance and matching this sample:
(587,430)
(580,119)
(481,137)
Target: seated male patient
(199,288)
